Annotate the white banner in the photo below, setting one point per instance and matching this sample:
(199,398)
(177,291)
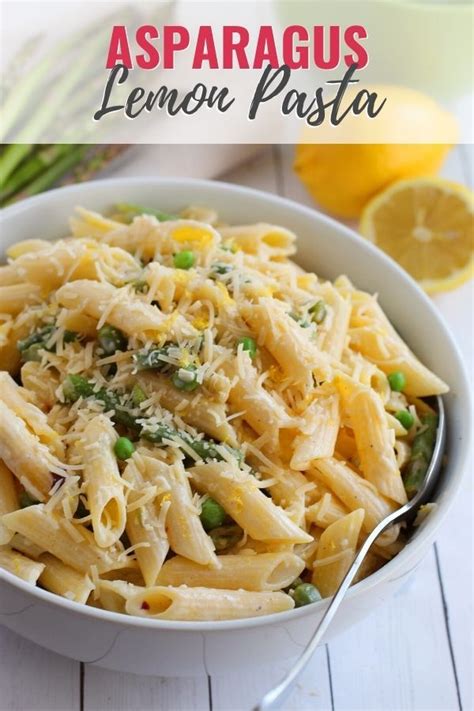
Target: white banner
(235,72)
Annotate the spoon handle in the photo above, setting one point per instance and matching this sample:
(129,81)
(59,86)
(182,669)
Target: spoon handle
(275,696)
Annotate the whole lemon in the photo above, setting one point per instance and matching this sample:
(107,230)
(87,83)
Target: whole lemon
(343,177)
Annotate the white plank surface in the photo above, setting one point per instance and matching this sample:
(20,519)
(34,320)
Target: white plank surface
(454,547)
(414,653)
(233,692)
(398,658)
(107,691)
(33,679)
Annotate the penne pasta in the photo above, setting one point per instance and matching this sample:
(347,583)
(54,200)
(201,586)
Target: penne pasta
(260,572)
(258,407)
(16,399)
(24,455)
(8,501)
(374,442)
(319,432)
(40,384)
(262,239)
(355,492)
(372,334)
(72,543)
(104,486)
(284,338)
(118,307)
(240,495)
(113,595)
(15,297)
(146,526)
(168,603)
(184,528)
(20,565)
(189,421)
(64,580)
(336,551)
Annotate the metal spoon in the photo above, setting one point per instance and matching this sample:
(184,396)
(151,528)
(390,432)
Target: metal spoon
(276,696)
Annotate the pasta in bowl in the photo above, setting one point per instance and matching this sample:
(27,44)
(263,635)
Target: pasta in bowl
(193,427)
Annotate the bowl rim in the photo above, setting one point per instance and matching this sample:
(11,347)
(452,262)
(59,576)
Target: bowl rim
(390,568)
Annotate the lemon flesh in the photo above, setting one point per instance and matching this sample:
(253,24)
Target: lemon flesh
(426,225)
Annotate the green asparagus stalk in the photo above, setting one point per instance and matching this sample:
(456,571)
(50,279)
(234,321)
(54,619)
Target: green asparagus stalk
(14,71)
(42,335)
(15,152)
(32,167)
(127,212)
(74,156)
(76,386)
(46,179)
(421,453)
(36,78)
(37,341)
(153,359)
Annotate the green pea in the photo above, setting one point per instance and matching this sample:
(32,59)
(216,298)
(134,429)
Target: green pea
(212,515)
(397,381)
(318,311)
(111,339)
(305,594)
(405,418)
(184,259)
(249,345)
(138,395)
(123,448)
(185,378)
(27,500)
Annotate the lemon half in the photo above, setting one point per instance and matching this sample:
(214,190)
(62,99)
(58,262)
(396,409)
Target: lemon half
(427,226)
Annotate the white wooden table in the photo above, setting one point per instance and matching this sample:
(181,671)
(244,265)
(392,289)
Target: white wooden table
(414,653)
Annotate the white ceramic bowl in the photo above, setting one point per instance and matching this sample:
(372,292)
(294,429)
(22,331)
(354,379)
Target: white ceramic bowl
(185,648)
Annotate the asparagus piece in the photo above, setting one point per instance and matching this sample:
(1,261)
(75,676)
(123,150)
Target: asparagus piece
(127,212)
(111,339)
(421,453)
(76,386)
(42,335)
(154,359)
(31,346)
